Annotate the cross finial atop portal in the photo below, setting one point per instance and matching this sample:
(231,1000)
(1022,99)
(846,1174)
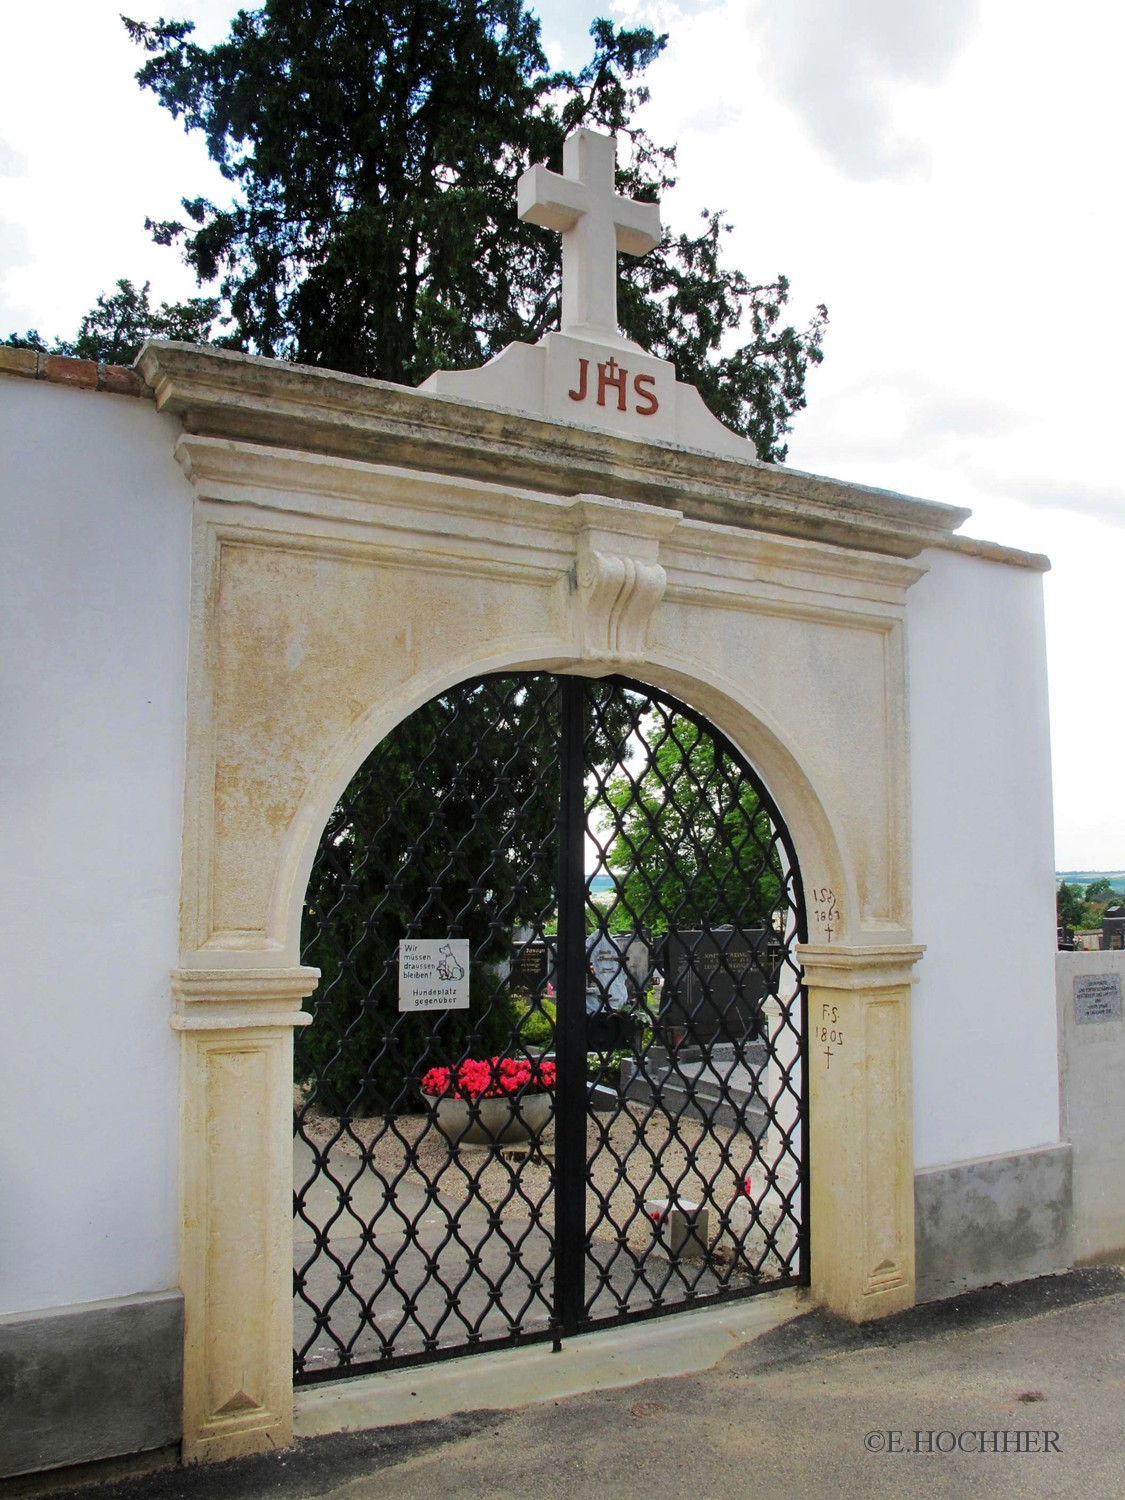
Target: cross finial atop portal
(595,223)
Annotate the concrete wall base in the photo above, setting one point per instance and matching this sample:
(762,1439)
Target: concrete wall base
(1002,1218)
(79,1384)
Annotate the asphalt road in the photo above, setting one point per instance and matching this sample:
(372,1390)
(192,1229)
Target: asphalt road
(1010,1391)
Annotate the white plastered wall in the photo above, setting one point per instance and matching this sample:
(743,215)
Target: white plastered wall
(94,575)
(984,1040)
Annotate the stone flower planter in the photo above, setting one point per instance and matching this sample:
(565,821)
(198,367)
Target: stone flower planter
(491,1122)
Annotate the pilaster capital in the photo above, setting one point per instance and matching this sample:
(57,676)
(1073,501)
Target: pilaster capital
(843,966)
(238,999)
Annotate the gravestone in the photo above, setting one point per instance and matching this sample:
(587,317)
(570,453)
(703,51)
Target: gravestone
(1113,927)
(606,973)
(714,984)
(638,963)
(531,967)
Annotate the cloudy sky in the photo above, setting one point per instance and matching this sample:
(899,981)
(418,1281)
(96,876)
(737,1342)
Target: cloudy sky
(946,175)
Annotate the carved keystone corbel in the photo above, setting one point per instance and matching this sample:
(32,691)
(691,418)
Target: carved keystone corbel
(618,575)
(617,596)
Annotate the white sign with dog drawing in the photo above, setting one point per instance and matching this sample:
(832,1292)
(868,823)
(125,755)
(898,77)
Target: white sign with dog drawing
(433,974)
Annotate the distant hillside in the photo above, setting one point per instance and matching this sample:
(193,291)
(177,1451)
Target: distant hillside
(1116,878)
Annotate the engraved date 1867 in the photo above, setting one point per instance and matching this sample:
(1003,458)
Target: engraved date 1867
(825,912)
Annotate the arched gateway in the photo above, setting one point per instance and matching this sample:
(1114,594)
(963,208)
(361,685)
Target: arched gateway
(555,1076)
(360,553)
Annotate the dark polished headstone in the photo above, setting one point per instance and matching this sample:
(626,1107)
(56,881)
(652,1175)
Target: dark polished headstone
(715,982)
(531,964)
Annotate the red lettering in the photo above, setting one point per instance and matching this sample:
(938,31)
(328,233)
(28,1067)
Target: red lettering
(612,374)
(645,387)
(580,393)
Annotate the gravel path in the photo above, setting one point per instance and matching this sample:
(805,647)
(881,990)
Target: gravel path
(633,1156)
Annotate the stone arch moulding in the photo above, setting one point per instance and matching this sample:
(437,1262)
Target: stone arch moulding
(809,822)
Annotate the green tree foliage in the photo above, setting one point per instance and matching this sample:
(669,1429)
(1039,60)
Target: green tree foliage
(1072,911)
(119,322)
(32,339)
(449,828)
(1101,890)
(690,841)
(446,830)
(373,148)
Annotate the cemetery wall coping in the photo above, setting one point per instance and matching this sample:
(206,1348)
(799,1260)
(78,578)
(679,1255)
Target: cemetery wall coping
(80,374)
(994,552)
(221,394)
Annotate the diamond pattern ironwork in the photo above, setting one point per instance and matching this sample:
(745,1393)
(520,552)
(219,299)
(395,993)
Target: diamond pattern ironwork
(631,902)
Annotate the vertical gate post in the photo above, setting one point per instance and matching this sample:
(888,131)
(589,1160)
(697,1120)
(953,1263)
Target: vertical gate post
(570,1036)
(236,1187)
(861,1139)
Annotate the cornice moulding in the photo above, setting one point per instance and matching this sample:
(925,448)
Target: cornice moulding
(216,393)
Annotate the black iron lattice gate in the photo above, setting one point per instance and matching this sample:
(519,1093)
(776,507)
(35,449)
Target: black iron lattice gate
(614,893)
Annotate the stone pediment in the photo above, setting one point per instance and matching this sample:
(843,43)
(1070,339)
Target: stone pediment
(614,389)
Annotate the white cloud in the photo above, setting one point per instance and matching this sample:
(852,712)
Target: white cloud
(1072,497)
(98,159)
(14,251)
(834,62)
(12,163)
(13,245)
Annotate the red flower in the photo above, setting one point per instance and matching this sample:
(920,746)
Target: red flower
(496,1078)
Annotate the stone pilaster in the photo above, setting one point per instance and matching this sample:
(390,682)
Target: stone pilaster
(861,1145)
(237,1196)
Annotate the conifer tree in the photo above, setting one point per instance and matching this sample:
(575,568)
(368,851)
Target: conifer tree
(373,149)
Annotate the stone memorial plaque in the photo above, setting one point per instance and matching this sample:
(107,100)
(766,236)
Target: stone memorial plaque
(433,974)
(1097,997)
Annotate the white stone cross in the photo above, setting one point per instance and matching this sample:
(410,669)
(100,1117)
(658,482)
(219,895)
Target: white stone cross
(595,223)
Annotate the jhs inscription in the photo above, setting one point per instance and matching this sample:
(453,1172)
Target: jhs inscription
(614,377)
